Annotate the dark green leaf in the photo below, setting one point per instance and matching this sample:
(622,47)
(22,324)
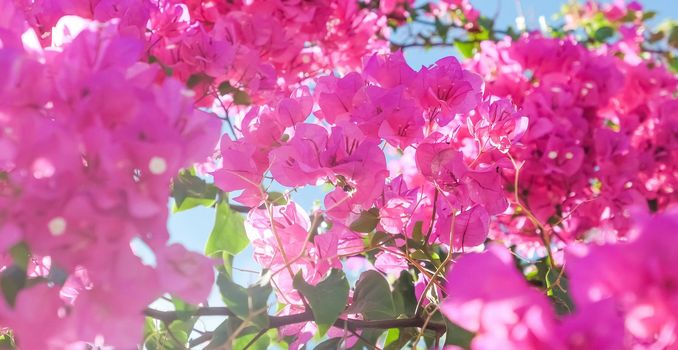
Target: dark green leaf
(190,191)
(557,283)
(223,333)
(241,98)
(228,234)
(441,29)
(327,298)
(12,280)
(260,344)
(329,344)
(458,336)
(20,255)
(603,33)
(417,233)
(368,339)
(372,297)
(379,238)
(226,88)
(404,299)
(245,302)
(367,221)
(196,79)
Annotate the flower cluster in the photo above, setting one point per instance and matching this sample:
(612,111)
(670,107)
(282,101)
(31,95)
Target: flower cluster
(600,132)
(262,47)
(638,311)
(457,140)
(90,141)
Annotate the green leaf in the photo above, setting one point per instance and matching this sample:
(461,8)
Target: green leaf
(329,344)
(228,234)
(368,339)
(20,255)
(151,334)
(558,285)
(649,15)
(159,337)
(673,37)
(396,338)
(12,280)
(458,336)
(226,88)
(260,344)
(184,310)
(441,29)
(240,97)
(367,221)
(246,303)
(372,297)
(223,333)
(7,341)
(417,233)
(327,298)
(379,238)
(190,191)
(603,33)
(196,79)
(465,48)
(392,336)
(276,198)
(177,333)
(404,298)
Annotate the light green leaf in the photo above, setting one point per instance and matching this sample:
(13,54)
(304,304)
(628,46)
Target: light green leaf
(228,234)
(465,48)
(327,298)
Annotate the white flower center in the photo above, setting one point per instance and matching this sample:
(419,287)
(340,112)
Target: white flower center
(157,165)
(57,226)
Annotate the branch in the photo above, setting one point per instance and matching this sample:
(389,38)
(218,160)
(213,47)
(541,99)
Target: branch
(306,316)
(239,208)
(169,316)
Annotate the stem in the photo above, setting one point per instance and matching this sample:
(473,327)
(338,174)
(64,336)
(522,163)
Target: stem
(306,316)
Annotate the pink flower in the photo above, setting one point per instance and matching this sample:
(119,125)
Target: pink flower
(185,274)
(498,124)
(514,316)
(448,90)
(637,276)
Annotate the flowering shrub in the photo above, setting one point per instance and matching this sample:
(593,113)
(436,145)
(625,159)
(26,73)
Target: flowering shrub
(521,198)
